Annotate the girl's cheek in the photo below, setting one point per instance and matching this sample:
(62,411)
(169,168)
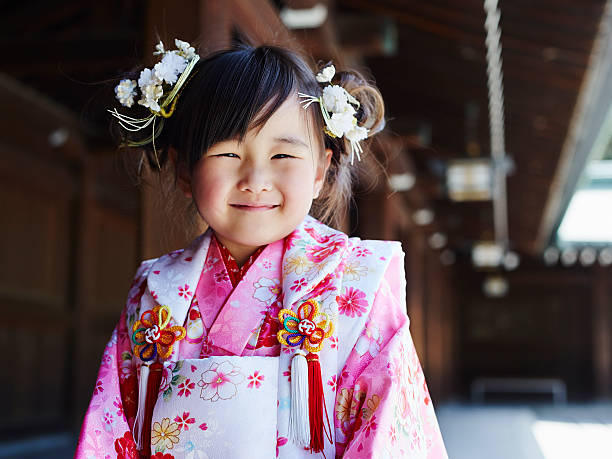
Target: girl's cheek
(301,170)
(210,186)
(212,191)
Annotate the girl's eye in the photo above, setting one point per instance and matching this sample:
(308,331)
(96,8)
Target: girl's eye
(281,156)
(229,155)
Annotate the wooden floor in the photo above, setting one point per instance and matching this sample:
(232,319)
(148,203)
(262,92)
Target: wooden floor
(540,431)
(55,446)
(527,431)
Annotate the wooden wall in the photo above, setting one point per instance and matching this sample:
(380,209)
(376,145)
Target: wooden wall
(551,324)
(68,249)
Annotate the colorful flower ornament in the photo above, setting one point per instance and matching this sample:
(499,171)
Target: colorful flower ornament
(307,328)
(301,329)
(338,108)
(152,336)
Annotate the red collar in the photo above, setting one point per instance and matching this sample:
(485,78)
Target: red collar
(235,272)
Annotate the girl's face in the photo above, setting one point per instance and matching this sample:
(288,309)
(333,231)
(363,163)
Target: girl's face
(257,191)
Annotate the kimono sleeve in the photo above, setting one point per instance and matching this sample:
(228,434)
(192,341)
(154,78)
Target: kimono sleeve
(383,408)
(107,424)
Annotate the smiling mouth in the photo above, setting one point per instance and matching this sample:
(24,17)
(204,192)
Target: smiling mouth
(254,207)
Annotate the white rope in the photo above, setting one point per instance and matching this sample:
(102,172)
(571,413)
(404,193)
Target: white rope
(299,420)
(496,121)
(140,412)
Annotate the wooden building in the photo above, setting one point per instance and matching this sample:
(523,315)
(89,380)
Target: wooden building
(75,227)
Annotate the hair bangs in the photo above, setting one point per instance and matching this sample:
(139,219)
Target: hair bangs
(232,92)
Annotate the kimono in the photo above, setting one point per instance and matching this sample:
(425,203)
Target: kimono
(225,388)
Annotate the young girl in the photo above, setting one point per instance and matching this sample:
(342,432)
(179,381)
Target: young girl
(271,334)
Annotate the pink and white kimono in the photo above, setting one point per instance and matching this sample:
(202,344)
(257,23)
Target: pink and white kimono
(225,390)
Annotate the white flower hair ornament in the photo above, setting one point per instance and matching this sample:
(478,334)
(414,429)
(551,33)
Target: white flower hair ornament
(159,90)
(339,111)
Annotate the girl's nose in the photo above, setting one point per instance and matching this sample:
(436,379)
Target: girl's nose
(255,179)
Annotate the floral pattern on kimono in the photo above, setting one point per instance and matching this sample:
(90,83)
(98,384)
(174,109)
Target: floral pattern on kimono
(214,288)
(381,408)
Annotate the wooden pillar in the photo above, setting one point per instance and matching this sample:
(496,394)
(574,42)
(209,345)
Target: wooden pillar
(416,294)
(449,333)
(439,327)
(434,322)
(602,333)
(85,359)
(215,24)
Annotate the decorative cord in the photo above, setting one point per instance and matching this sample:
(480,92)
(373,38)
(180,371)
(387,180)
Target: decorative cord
(496,121)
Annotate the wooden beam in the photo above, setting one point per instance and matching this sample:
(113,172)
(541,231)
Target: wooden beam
(366,35)
(322,43)
(589,114)
(453,32)
(304,4)
(258,20)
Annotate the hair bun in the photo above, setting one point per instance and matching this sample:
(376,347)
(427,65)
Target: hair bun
(371,113)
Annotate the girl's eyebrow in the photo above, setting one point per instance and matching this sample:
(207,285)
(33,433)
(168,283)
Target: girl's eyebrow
(291,141)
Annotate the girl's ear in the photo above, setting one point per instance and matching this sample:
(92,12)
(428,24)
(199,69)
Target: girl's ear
(183,178)
(321,172)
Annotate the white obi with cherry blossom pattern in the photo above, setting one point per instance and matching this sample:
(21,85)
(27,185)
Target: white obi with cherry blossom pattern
(225,406)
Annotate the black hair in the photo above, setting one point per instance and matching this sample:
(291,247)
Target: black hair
(232,91)
(229,93)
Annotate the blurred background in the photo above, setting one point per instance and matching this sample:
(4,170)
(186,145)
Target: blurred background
(505,213)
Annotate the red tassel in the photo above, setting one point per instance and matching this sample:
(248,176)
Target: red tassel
(316,405)
(153,384)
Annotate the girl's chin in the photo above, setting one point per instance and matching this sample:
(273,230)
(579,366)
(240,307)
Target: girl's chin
(249,240)
(256,233)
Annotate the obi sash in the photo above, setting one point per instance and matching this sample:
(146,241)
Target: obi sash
(223,407)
